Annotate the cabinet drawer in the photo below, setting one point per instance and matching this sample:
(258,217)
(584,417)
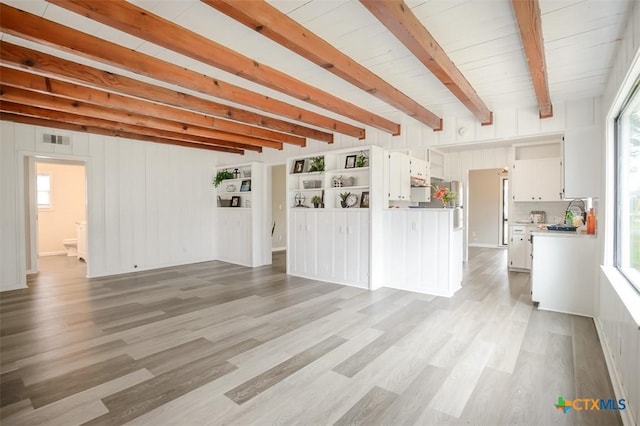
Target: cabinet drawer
(518,230)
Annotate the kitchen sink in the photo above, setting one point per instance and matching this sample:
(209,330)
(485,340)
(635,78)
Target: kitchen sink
(561,228)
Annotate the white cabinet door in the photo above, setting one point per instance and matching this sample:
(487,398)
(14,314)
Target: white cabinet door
(310,242)
(234,236)
(399,176)
(325,243)
(339,246)
(518,248)
(357,247)
(583,152)
(303,248)
(296,250)
(418,168)
(537,180)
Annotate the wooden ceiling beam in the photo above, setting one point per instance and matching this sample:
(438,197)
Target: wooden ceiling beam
(24,80)
(52,66)
(134,20)
(25,119)
(13,94)
(530,24)
(270,22)
(34,28)
(112,126)
(401,22)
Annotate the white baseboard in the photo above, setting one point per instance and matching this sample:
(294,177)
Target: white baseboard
(626,415)
(52,253)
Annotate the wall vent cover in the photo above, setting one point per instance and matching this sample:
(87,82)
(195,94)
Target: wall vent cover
(56,139)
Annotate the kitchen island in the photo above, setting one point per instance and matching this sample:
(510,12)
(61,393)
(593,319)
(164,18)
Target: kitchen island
(423,250)
(563,271)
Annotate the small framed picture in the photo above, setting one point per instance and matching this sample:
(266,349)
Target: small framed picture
(235,201)
(298,166)
(350,162)
(364,200)
(245,186)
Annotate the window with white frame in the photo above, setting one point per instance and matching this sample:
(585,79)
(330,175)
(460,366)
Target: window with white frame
(627,194)
(43,188)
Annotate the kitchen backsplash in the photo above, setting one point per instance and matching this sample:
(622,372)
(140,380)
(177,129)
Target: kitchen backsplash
(521,210)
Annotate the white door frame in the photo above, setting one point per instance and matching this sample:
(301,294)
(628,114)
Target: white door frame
(28,205)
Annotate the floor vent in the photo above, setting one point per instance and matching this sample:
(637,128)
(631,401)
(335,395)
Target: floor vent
(56,139)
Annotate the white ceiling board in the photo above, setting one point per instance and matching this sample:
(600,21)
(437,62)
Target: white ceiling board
(480,36)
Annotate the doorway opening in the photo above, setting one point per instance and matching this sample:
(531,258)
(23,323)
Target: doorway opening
(505,211)
(56,208)
(279,215)
(486,208)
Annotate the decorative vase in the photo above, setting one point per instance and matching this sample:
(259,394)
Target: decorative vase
(343,204)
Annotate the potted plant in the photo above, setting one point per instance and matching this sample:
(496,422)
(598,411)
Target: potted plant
(343,199)
(361,160)
(316,164)
(220,176)
(316,200)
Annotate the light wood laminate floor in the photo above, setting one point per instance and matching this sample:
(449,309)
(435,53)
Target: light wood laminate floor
(214,343)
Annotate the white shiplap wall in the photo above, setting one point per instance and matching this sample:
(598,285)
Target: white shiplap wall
(509,125)
(619,331)
(149,205)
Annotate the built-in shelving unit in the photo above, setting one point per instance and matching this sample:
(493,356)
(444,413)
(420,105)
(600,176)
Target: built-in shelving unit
(335,241)
(243,228)
(337,177)
(240,187)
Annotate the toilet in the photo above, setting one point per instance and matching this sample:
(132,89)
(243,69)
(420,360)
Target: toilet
(71,246)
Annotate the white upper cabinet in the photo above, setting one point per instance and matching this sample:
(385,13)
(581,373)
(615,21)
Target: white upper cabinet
(583,153)
(537,180)
(419,169)
(399,176)
(436,160)
(536,174)
(420,176)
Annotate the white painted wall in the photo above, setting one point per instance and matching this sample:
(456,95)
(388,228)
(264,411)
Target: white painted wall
(617,303)
(68,206)
(509,124)
(149,205)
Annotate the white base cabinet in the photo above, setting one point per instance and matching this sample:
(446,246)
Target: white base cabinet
(564,272)
(330,244)
(423,253)
(234,236)
(519,248)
